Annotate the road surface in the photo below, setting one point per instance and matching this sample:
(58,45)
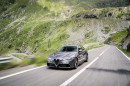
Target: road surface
(107,66)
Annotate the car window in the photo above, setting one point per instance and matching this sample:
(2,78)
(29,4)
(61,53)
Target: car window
(68,49)
(80,49)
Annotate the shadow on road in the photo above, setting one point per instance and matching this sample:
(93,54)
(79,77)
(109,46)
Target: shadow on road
(119,71)
(64,69)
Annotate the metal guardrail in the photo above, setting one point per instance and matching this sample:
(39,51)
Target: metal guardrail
(5,60)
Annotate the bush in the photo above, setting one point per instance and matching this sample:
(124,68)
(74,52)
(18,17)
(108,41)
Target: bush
(89,34)
(119,36)
(106,30)
(120,15)
(5,66)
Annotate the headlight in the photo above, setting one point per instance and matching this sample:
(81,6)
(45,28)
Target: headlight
(49,59)
(69,59)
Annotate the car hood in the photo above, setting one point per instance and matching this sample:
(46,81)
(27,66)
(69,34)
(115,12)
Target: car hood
(63,55)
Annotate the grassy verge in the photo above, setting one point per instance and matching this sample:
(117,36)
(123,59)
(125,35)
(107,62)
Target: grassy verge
(93,46)
(87,41)
(125,51)
(13,64)
(5,66)
(119,36)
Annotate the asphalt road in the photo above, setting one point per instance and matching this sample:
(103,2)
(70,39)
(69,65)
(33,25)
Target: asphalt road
(106,67)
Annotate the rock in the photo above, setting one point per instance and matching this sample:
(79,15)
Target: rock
(85,16)
(108,41)
(90,16)
(109,14)
(128,17)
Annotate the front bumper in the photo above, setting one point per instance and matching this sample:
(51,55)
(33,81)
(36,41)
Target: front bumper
(61,64)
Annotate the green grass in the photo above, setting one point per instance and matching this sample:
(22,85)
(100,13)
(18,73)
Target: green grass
(26,62)
(125,51)
(13,64)
(106,30)
(120,15)
(52,43)
(93,46)
(119,36)
(91,40)
(5,66)
(89,34)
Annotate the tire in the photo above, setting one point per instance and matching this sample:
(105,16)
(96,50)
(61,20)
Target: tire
(76,64)
(86,58)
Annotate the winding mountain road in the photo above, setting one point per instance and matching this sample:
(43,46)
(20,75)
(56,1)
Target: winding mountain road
(107,66)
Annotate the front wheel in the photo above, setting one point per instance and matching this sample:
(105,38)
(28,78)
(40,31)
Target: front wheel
(76,64)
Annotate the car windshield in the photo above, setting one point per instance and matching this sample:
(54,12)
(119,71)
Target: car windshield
(68,49)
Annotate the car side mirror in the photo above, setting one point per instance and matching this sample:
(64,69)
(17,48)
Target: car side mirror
(80,51)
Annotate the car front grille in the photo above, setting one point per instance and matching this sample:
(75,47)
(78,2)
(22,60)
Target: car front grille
(56,61)
(64,65)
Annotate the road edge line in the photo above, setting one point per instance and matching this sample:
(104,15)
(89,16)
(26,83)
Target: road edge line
(123,53)
(14,74)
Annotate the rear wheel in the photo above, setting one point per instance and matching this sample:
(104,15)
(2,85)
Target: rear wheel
(76,64)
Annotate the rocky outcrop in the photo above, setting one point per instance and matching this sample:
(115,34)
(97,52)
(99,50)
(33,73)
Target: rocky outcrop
(85,16)
(90,16)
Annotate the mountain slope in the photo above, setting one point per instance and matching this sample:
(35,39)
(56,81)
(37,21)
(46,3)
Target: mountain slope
(40,27)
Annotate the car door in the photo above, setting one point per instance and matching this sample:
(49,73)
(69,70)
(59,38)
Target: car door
(84,52)
(81,54)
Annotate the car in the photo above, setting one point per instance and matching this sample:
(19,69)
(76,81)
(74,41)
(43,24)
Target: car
(69,56)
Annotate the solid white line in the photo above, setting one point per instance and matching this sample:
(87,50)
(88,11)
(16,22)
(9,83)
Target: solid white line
(104,51)
(78,73)
(14,74)
(123,53)
(82,70)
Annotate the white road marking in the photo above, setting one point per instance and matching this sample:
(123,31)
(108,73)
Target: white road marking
(14,74)
(78,73)
(123,53)
(104,51)
(82,70)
